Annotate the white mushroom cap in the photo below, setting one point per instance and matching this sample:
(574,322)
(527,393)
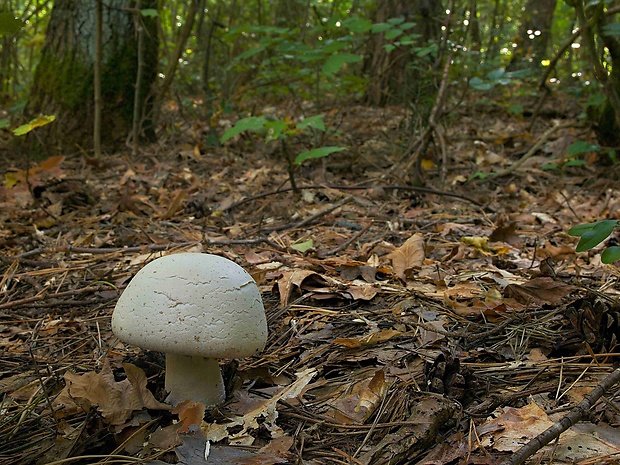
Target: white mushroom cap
(196,308)
(192,304)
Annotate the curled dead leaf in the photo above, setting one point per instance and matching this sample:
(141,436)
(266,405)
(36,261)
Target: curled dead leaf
(408,256)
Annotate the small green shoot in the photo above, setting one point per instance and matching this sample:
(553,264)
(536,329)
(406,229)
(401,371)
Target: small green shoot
(283,130)
(592,234)
(35,123)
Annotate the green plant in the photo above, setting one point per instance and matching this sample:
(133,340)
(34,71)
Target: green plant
(284,130)
(9,24)
(285,61)
(592,234)
(497,77)
(575,150)
(37,122)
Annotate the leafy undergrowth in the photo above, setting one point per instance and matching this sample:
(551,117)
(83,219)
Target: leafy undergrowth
(441,325)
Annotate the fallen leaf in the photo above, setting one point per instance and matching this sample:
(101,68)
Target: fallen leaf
(505,233)
(544,290)
(369,339)
(359,401)
(266,410)
(292,279)
(115,400)
(408,256)
(190,413)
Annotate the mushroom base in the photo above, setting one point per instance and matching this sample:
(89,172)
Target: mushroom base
(194,378)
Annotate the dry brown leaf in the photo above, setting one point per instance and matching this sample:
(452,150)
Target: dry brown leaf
(356,404)
(543,290)
(408,256)
(115,400)
(369,339)
(278,446)
(506,233)
(190,413)
(363,292)
(290,279)
(175,206)
(215,432)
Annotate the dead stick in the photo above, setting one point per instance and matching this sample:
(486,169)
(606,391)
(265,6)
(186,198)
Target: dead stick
(533,150)
(571,419)
(138,249)
(41,297)
(425,190)
(311,218)
(348,242)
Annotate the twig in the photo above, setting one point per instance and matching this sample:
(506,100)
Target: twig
(533,150)
(348,242)
(311,218)
(571,419)
(423,141)
(138,249)
(40,297)
(426,190)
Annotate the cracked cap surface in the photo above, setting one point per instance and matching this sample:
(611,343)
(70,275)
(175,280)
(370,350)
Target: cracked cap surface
(192,304)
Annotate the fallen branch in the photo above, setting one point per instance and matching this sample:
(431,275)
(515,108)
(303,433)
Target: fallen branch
(425,190)
(311,218)
(42,297)
(571,419)
(533,150)
(138,249)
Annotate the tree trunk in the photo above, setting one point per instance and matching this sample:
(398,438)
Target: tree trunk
(64,79)
(393,76)
(534,34)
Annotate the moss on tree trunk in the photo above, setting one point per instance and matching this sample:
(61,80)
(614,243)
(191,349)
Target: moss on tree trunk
(63,82)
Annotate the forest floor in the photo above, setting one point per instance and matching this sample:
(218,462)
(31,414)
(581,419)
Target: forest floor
(438,325)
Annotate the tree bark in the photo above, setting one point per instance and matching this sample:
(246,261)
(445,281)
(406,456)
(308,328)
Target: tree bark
(64,79)
(392,79)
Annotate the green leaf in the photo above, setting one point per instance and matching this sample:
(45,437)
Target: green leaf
(381,27)
(149,13)
(516,109)
(314,122)
(9,24)
(596,99)
(356,24)
(251,123)
(335,62)
(521,73)
(275,129)
(393,34)
(303,246)
(496,74)
(575,163)
(479,175)
(422,52)
(479,84)
(581,146)
(611,254)
(406,26)
(39,121)
(316,153)
(389,47)
(398,20)
(332,46)
(580,229)
(596,234)
(592,3)
(250,53)
(4,123)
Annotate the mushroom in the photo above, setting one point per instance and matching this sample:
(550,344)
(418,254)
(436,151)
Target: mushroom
(196,308)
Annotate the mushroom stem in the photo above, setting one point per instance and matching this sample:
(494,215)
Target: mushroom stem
(194,378)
